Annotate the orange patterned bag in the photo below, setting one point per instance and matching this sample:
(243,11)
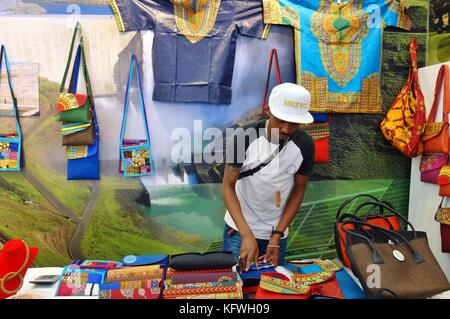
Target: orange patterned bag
(404,122)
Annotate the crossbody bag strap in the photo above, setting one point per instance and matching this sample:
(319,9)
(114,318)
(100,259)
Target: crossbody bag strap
(273,57)
(86,72)
(446,88)
(4,56)
(266,162)
(72,45)
(134,65)
(441,79)
(73,84)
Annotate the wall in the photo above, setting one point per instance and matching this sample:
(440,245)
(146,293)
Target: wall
(424,199)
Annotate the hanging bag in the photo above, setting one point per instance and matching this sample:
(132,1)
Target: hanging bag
(404,121)
(320,132)
(84,162)
(435,136)
(82,132)
(135,154)
(75,107)
(430,167)
(443,218)
(11,157)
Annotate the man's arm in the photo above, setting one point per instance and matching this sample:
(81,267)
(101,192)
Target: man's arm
(292,206)
(249,246)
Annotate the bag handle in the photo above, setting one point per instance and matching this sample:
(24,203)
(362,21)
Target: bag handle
(351,199)
(376,257)
(4,56)
(442,78)
(413,73)
(273,56)
(389,209)
(134,65)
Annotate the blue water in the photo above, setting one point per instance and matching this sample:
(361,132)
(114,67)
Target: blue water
(63,8)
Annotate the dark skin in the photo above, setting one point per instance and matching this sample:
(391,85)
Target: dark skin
(249,248)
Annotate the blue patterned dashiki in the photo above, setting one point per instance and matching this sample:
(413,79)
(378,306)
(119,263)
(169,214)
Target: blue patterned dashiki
(194,43)
(338,48)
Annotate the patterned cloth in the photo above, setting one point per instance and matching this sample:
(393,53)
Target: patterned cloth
(193,50)
(340,62)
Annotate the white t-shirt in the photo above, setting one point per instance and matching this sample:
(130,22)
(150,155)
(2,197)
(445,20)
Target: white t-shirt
(257,193)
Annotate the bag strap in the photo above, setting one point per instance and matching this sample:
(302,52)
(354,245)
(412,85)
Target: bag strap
(73,84)
(264,163)
(4,56)
(442,78)
(72,44)
(76,66)
(134,65)
(418,258)
(272,56)
(413,74)
(86,72)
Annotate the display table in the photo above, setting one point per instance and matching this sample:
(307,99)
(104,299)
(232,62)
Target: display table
(48,291)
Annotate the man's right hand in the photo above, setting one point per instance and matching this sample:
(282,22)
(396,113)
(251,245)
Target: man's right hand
(249,250)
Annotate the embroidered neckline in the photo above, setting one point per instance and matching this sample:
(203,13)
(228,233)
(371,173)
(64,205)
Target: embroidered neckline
(195,24)
(340,31)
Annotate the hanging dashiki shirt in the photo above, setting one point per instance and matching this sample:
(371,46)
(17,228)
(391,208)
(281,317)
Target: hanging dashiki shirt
(194,43)
(338,48)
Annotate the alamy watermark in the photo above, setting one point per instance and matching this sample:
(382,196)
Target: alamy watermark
(215,146)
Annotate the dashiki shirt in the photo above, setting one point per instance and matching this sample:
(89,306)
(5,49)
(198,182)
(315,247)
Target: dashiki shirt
(194,43)
(338,48)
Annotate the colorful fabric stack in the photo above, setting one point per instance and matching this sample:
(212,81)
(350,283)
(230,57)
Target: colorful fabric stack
(203,284)
(114,280)
(84,277)
(300,285)
(80,131)
(251,278)
(202,276)
(142,282)
(343,285)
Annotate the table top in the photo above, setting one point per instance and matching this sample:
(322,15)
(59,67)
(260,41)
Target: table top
(48,291)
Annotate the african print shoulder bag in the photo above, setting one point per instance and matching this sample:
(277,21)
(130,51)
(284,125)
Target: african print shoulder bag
(11,158)
(404,122)
(435,136)
(135,154)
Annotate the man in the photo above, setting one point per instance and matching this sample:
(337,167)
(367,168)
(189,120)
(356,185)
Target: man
(265,181)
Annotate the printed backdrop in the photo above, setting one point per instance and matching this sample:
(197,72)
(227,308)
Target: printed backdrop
(180,208)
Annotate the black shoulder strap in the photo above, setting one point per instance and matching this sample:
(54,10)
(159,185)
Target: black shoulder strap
(253,171)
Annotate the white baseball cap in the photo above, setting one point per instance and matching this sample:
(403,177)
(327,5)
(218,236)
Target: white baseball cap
(290,102)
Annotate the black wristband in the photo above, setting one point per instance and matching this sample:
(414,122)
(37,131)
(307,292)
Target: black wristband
(279,232)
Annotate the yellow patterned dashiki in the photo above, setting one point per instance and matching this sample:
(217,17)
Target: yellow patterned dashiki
(338,48)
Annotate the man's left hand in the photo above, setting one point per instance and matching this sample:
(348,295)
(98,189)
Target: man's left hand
(272,252)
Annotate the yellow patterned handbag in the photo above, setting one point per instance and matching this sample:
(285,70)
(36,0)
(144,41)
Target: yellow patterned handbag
(405,120)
